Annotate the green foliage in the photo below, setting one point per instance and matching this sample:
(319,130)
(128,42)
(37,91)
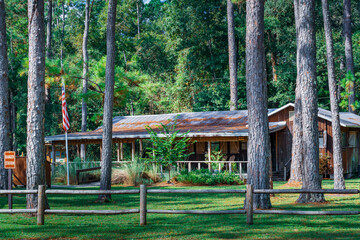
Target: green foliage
(194,226)
(178,62)
(135,172)
(217,157)
(205,177)
(169,145)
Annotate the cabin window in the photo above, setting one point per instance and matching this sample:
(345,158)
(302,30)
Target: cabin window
(243,145)
(321,140)
(215,146)
(343,139)
(291,116)
(352,139)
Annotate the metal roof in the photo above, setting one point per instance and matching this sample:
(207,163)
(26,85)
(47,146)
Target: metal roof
(347,119)
(200,124)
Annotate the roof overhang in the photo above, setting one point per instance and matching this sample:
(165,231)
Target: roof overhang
(273,127)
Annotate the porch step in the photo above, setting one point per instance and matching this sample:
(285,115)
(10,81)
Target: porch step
(278,176)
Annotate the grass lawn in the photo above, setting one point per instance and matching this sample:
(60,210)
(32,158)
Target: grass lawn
(186,226)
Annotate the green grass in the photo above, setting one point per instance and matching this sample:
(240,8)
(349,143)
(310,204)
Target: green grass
(186,226)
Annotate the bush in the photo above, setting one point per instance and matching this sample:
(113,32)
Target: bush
(205,177)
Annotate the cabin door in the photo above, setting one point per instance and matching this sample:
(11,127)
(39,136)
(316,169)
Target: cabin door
(274,163)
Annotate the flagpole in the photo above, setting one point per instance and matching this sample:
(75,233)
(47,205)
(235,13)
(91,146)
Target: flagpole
(67,159)
(66,146)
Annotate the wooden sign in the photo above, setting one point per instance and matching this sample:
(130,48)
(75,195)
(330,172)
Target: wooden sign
(9,160)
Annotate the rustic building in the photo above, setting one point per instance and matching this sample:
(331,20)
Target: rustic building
(225,131)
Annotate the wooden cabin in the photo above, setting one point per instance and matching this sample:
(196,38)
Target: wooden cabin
(225,131)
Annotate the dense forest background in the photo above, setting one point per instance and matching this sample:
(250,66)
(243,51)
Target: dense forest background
(171,56)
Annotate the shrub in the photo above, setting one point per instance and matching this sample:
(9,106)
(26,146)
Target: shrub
(152,172)
(205,177)
(216,158)
(134,171)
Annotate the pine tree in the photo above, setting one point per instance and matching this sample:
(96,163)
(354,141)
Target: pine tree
(106,160)
(256,86)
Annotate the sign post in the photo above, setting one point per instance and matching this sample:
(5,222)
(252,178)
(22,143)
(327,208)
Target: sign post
(9,163)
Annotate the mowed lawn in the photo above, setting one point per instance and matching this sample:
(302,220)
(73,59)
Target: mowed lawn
(186,226)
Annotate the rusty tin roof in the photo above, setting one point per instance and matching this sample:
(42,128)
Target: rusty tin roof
(200,124)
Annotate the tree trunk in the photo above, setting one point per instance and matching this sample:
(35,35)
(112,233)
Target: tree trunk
(35,151)
(138,15)
(4,97)
(12,125)
(105,180)
(232,56)
(349,51)
(49,30)
(307,75)
(256,86)
(339,182)
(273,66)
(85,74)
(297,151)
(62,36)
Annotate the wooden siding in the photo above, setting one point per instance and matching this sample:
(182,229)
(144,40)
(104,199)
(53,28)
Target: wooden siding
(351,155)
(283,138)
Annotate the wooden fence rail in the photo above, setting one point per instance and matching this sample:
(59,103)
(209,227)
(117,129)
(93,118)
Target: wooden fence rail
(143,191)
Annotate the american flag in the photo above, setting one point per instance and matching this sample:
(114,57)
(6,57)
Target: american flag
(66,124)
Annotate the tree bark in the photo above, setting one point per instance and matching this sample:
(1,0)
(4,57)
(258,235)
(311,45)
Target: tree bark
(349,60)
(4,97)
(12,125)
(62,35)
(85,74)
(232,56)
(307,75)
(256,86)
(339,182)
(49,30)
(105,180)
(273,66)
(138,16)
(35,151)
(297,151)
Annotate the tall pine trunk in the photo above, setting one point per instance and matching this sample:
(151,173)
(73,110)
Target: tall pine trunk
(35,151)
(349,60)
(232,56)
(4,97)
(256,86)
(339,182)
(85,74)
(49,30)
(307,77)
(105,180)
(297,151)
(138,16)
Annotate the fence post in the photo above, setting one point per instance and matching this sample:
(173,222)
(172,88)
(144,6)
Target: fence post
(249,204)
(143,204)
(41,205)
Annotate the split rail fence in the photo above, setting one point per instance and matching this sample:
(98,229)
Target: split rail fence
(143,191)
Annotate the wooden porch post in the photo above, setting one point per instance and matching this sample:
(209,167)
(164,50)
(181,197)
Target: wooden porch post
(53,149)
(100,150)
(140,147)
(53,160)
(209,155)
(118,151)
(122,151)
(133,150)
(77,150)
